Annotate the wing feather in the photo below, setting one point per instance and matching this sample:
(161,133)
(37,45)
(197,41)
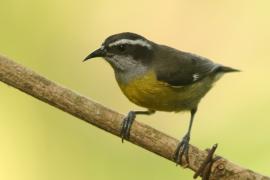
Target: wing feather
(179,68)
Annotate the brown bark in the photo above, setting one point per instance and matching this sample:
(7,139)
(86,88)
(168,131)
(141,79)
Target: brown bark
(91,112)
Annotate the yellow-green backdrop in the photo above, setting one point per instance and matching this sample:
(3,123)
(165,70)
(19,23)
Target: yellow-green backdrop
(52,37)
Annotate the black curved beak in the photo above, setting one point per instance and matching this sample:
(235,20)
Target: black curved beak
(97,53)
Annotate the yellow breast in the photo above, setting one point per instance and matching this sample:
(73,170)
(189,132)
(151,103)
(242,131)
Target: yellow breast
(147,91)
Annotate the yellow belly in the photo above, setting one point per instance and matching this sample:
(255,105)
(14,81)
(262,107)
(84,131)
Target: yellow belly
(148,92)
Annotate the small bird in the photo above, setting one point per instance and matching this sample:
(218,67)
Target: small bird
(159,78)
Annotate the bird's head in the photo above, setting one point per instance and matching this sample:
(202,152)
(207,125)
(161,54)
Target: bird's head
(125,51)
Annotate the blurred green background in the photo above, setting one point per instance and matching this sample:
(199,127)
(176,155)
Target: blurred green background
(52,37)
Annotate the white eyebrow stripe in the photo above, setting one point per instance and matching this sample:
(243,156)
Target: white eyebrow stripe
(132,42)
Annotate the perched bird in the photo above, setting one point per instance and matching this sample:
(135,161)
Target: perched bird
(159,78)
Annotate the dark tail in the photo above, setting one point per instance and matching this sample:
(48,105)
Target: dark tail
(226,69)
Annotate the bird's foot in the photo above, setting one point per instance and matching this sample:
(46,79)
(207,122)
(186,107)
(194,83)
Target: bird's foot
(182,150)
(126,125)
(205,170)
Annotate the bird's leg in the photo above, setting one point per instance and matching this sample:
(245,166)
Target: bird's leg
(183,146)
(128,120)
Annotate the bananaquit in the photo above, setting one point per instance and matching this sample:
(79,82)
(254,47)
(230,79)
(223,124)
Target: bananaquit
(159,78)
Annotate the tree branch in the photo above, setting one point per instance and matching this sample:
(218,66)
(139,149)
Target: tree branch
(91,112)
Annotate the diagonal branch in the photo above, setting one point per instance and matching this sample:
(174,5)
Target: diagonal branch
(91,112)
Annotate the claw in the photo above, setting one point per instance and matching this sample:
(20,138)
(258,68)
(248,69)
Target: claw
(126,125)
(182,150)
(128,121)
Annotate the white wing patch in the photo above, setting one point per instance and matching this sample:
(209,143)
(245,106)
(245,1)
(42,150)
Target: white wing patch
(131,42)
(195,76)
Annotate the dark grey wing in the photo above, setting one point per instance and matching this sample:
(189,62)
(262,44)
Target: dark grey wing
(179,68)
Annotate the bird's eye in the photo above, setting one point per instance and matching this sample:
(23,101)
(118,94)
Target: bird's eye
(121,47)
